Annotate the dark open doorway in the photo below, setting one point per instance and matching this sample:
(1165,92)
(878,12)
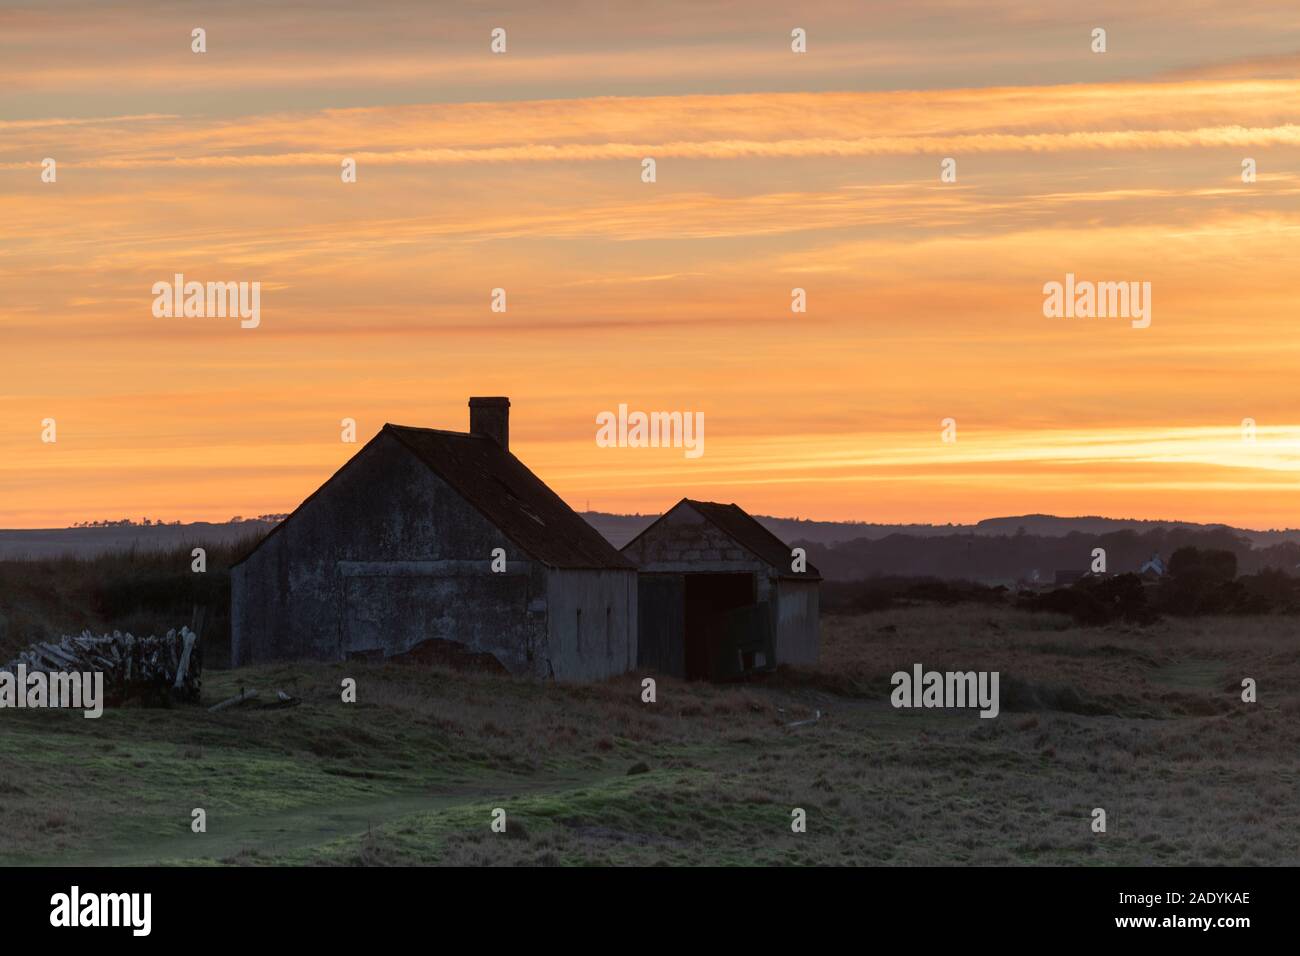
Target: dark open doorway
(708,596)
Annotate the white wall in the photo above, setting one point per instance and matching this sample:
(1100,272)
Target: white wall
(798,626)
(607,644)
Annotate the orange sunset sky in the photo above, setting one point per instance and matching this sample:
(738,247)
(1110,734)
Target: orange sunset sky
(775,170)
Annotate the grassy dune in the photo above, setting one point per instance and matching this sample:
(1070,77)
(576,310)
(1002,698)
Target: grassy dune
(1146,723)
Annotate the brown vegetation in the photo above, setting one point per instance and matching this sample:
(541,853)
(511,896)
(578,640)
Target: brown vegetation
(1146,722)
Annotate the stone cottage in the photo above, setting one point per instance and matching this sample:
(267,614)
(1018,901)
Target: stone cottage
(429,535)
(720,595)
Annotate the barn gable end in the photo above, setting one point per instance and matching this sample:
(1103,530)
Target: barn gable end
(396,549)
(718,596)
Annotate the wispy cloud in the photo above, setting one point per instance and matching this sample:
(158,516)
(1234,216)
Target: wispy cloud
(776,172)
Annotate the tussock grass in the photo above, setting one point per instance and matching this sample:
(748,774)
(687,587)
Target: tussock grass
(1146,723)
(137,590)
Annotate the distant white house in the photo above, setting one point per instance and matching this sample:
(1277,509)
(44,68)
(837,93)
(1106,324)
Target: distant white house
(1155,566)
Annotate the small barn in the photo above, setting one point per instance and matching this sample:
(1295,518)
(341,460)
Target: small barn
(718,596)
(426,537)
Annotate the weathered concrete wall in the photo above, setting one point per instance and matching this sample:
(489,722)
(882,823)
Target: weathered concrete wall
(384,556)
(798,621)
(389,607)
(684,540)
(593,623)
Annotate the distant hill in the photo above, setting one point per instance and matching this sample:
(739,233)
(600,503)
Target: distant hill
(1050,526)
(995,549)
(999,550)
(619,529)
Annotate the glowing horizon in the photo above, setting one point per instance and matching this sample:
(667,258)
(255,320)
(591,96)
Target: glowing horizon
(775,170)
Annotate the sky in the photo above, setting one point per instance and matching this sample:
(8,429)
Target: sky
(774,171)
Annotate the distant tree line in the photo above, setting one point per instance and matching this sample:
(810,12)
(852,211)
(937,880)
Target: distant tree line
(1007,559)
(125,523)
(159,523)
(1199,581)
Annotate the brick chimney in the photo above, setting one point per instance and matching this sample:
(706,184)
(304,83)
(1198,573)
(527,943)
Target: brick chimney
(490,417)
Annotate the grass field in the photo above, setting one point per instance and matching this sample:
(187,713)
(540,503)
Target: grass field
(1145,723)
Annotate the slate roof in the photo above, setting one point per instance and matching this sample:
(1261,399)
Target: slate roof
(506,493)
(515,500)
(742,527)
